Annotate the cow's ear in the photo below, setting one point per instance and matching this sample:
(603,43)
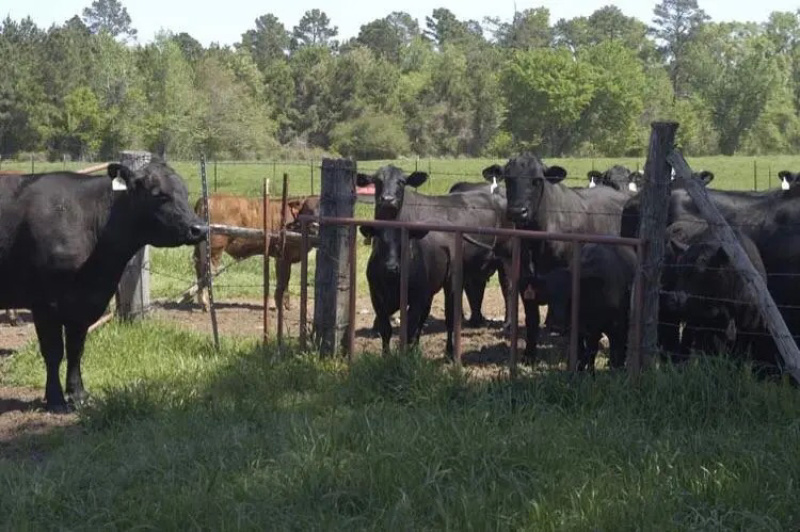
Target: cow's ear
(364,180)
(555,174)
(119,170)
(294,207)
(490,173)
(416,179)
(367,230)
(594,174)
(718,258)
(416,234)
(706,177)
(677,247)
(783,174)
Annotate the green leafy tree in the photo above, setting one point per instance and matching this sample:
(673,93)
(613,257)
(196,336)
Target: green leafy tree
(372,136)
(547,92)
(388,36)
(443,27)
(109,16)
(529,29)
(674,24)
(80,134)
(611,121)
(268,42)
(314,29)
(190,47)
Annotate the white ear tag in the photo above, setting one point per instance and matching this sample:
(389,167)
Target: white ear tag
(494,184)
(118,184)
(592,184)
(632,187)
(784,184)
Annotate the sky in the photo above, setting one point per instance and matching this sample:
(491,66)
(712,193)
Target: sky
(224,21)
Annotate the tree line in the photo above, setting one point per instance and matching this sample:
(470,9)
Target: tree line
(588,86)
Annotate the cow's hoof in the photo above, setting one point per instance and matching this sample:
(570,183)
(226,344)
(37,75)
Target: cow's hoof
(59,408)
(476,322)
(78,398)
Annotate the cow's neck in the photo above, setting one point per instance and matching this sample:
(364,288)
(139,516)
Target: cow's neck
(116,237)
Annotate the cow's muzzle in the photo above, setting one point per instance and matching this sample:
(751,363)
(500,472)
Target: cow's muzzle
(197,232)
(518,214)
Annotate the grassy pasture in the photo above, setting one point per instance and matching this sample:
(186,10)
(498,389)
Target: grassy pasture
(181,437)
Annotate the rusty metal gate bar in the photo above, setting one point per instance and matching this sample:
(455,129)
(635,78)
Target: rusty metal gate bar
(266,216)
(514,298)
(576,298)
(457,289)
(351,307)
(404,258)
(303,282)
(457,280)
(282,250)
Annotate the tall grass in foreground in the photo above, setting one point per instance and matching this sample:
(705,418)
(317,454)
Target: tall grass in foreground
(182,437)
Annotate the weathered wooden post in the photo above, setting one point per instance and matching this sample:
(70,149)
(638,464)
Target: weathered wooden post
(755,285)
(331,286)
(134,286)
(652,229)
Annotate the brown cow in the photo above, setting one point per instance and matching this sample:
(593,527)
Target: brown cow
(248,212)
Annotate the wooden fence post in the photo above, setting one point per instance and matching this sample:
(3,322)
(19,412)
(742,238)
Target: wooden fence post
(331,286)
(134,287)
(755,284)
(652,229)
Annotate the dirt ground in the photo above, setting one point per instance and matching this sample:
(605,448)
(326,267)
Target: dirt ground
(24,425)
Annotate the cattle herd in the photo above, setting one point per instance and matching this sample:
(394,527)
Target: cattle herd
(66,239)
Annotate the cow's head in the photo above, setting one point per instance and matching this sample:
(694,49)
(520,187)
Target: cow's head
(386,244)
(303,207)
(390,183)
(525,177)
(159,202)
(617,177)
(698,277)
(788,179)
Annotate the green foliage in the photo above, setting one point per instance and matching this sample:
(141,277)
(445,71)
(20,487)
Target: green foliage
(370,137)
(588,85)
(547,93)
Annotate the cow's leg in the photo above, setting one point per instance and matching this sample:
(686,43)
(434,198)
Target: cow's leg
(589,343)
(385,330)
(200,251)
(531,326)
(13,318)
(75,340)
(502,275)
(51,343)
(283,272)
(618,345)
(449,318)
(475,289)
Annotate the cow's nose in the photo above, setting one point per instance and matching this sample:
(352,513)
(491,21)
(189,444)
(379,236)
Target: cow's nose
(198,231)
(393,268)
(518,213)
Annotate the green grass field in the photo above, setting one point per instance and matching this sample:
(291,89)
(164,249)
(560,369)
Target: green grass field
(180,437)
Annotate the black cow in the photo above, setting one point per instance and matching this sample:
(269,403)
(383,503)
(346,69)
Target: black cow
(771,219)
(617,177)
(537,200)
(630,213)
(475,285)
(710,296)
(428,273)
(478,208)
(606,280)
(65,241)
